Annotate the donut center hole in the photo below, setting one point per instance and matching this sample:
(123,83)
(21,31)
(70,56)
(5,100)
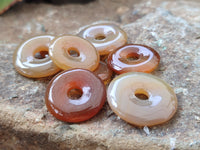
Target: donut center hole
(73,52)
(132,57)
(75,93)
(142,94)
(100,37)
(41,52)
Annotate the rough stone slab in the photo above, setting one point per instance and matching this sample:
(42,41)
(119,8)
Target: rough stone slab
(172,28)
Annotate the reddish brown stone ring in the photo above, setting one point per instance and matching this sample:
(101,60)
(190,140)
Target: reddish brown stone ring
(134,57)
(75,95)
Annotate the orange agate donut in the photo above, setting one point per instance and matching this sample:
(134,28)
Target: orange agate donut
(106,37)
(141,99)
(103,72)
(133,57)
(75,95)
(73,52)
(31,58)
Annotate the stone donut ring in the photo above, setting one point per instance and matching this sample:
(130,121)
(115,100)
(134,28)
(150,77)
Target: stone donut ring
(31,58)
(75,95)
(70,51)
(105,37)
(103,72)
(141,99)
(133,57)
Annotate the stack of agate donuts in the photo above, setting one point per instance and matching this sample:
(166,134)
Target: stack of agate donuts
(85,64)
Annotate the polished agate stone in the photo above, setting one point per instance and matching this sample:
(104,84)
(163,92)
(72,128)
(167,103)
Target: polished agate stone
(141,99)
(106,37)
(31,58)
(133,57)
(73,52)
(103,58)
(75,95)
(104,72)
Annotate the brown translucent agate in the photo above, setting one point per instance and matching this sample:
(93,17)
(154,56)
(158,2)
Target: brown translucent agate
(141,99)
(75,95)
(104,72)
(31,58)
(73,52)
(106,37)
(133,57)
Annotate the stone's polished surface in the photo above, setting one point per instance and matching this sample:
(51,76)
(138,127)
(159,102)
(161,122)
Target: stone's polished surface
(75,95)
(141,99)
(73,52)
(133,57)
(104,57)
(106,37)
(31,58)
(104,72)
